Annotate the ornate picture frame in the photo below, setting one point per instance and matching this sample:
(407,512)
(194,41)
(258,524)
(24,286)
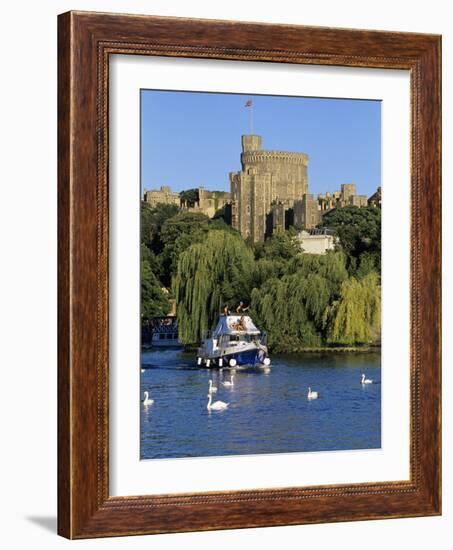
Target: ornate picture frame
(86,41)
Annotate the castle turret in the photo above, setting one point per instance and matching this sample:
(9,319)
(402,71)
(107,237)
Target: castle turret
(251,143)
(267,178)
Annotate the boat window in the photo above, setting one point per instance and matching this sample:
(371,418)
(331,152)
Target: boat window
(161,336)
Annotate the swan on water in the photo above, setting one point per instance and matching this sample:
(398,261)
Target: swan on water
(230,383)
(217,405)
(312,394)
(212,388)
(146,400)
(366,380)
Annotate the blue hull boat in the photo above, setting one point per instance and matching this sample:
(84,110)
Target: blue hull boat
(236,341)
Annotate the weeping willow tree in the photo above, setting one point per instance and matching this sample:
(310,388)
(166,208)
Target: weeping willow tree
(355,318)
(288,309)
(316,303)
(265,269)
(331,267)
(291,307)
(209,274)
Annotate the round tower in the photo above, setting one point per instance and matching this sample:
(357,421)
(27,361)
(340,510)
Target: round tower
(251,143)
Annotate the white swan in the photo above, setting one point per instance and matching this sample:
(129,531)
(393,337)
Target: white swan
(146,400)
(212,389)
(217,405)
(230,383)
(312,394)
(366,380)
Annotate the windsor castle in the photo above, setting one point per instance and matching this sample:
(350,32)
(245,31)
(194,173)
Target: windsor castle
(269,194)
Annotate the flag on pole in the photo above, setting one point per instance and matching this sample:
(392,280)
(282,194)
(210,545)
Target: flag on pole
(249,103)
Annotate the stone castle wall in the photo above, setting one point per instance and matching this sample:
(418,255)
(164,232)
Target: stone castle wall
(208,203)
(164,195)
(267,178)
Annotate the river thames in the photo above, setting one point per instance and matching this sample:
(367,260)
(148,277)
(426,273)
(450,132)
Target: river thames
(267,412)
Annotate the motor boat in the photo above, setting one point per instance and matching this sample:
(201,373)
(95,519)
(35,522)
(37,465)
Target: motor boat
(236,341)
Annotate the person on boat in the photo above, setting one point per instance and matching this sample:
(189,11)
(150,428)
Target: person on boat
(226,311)
(241,323)
(241,308)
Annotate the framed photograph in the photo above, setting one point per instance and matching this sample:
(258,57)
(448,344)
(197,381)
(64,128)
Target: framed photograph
(249,275)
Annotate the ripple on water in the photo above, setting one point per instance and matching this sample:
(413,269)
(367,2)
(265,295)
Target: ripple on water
(267,413)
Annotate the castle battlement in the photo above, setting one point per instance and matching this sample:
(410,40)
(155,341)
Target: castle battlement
(255,157)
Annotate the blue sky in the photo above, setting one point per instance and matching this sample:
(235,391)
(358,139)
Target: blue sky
(192,139)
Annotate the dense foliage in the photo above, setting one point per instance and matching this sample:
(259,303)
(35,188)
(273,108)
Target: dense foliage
(190,197)
(292,308)
(210,274)
(301,300)
(355,318)
(177,234)
(152,220)
(154,302)
(359,232)
(166,233)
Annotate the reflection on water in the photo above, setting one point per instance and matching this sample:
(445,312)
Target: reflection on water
(267,413)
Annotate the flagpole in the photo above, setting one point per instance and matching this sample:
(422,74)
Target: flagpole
(249,105)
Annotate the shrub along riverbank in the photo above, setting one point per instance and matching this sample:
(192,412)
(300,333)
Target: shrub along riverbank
(302,301)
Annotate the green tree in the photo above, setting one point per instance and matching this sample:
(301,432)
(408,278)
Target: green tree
(292,308)
(280,308)
(359,231)
(154,302)
(316,294)
(209,274)
(265,269)
(220,223)
(190,197)
(151,222)
(223,214)
(281,246)
(355,318)
(153,260)
(177,234)
(367,263)
(331,267)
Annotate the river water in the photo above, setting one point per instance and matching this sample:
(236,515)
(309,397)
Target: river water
(267,413)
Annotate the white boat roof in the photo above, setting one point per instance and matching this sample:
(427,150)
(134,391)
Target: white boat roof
(227,325)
